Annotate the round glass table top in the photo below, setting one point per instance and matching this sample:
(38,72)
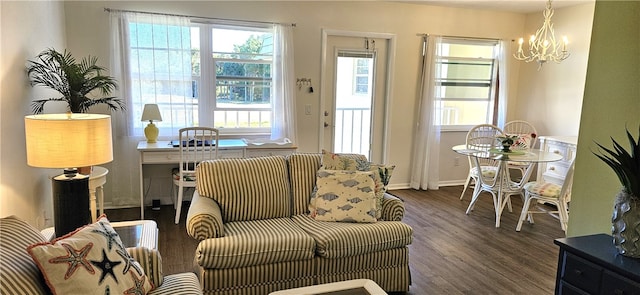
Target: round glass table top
(514,155)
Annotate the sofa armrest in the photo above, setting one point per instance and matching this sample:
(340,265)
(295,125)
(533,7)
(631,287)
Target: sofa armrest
(204,219)
(392,208)
(151,263)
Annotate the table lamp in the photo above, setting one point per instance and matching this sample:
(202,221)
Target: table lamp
(69,141)
(151,113)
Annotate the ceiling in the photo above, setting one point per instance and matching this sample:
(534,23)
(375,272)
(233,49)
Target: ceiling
(519,6)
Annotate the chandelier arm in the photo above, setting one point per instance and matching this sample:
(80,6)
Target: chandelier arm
(543,46)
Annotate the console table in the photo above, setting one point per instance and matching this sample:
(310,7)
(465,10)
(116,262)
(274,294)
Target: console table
(163,152)
(592,265)
(97,179)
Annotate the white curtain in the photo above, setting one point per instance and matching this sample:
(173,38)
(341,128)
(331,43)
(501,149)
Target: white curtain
(151,58)
(126,183)
(120,66)
(283,119)
(426,147)
(127,127)
(503,55)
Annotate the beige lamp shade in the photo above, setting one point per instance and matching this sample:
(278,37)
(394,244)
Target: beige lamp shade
(151,112)
(68,140)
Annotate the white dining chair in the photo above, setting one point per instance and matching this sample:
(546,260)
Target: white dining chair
(525,130)
(196,144)
(537,192)
(481,137)
(498,185)
(527,138)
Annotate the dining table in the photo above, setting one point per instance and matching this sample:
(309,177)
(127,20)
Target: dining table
(502,186)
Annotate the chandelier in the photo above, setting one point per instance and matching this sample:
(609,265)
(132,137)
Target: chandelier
(543,46)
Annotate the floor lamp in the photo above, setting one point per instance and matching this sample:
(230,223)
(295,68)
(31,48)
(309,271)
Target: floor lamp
(69,141)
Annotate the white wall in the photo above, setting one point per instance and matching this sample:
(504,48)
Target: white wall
(27,28)
(611,103)
(88,31)
(551,98)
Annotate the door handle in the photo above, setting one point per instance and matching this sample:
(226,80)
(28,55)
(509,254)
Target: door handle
(326,124)
(326,113)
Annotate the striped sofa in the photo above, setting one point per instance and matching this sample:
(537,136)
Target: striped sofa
(251,217)
(20,275)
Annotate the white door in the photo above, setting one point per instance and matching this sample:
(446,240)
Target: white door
(354,95)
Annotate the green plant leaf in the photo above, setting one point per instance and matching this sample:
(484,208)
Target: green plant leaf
(625,163)
(76,82)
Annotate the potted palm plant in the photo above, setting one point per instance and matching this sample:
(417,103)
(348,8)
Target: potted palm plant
(626,212)
(76,82)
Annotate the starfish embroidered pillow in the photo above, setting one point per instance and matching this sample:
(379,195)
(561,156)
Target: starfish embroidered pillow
(90,260)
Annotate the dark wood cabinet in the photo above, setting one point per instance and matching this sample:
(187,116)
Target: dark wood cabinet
(592,265)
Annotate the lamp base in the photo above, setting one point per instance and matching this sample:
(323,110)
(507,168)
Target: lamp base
(70,203)
(151,133)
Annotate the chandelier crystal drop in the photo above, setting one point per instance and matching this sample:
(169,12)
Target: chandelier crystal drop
(543,46)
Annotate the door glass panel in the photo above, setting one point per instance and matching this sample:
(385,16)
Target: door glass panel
(354,79)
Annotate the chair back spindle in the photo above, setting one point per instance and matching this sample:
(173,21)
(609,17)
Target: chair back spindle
(196,144)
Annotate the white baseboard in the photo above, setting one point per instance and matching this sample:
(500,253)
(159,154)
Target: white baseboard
(441,183)
(451,183)
(169,201)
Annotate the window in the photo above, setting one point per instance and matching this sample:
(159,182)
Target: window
(361,76)
(465,82)
(202,75)
(160,72)
(242,58)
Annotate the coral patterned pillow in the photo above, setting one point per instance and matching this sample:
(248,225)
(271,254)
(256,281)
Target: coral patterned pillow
(90,260)
(333,161)
(345,196)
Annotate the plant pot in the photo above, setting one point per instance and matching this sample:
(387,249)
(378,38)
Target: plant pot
(626,224)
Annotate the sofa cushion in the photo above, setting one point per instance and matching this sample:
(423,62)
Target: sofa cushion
(256,242)
(302,170)
(246,189)
(345,196)
(340,239)
(18,273)
(90,260)
(179,284)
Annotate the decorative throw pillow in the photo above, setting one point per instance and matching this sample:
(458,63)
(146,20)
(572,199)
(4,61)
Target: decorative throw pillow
(90,260)
(523,142)
(384,171)
(382,181)
(353,162)
(345,196)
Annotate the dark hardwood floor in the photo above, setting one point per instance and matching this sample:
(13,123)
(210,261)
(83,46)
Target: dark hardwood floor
(451,253)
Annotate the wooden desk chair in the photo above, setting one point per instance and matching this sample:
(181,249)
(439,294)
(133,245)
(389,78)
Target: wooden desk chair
(196,144)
